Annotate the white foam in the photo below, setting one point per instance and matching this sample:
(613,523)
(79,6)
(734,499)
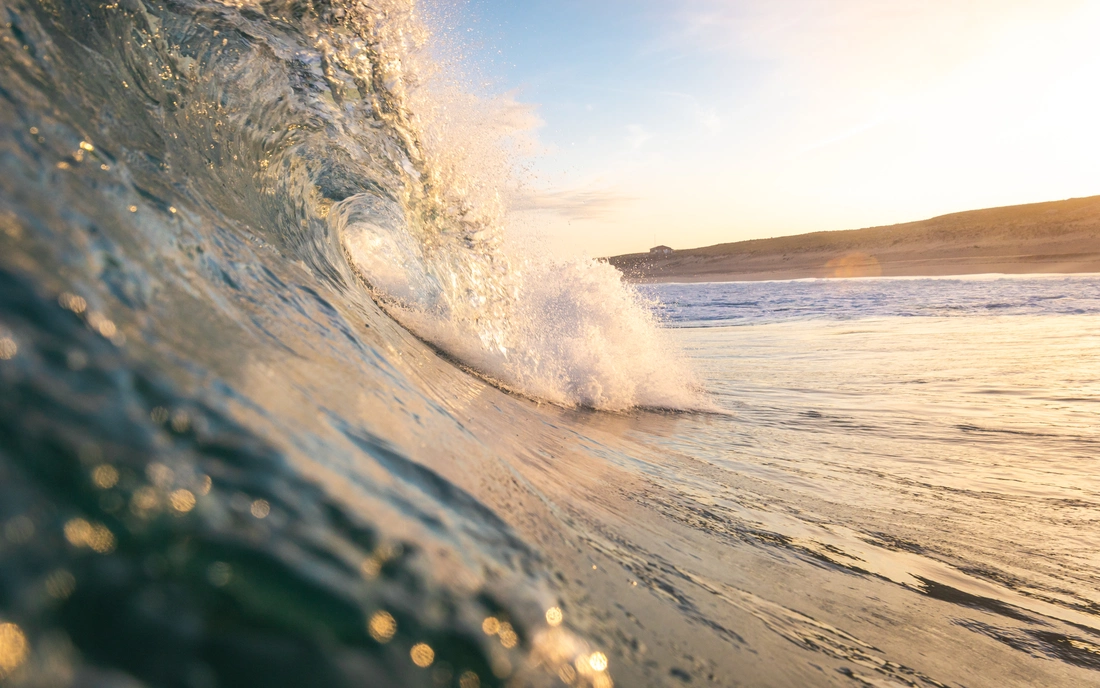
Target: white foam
(566,331)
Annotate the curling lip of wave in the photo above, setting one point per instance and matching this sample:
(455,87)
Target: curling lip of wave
(568,332)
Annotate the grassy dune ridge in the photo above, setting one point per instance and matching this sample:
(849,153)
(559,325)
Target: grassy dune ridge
(1053,237)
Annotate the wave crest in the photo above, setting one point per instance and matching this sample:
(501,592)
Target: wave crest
(566,331)
(433,250)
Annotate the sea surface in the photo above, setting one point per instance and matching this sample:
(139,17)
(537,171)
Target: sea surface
(280,406)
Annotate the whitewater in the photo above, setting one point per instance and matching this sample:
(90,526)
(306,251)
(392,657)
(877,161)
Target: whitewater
(282,403)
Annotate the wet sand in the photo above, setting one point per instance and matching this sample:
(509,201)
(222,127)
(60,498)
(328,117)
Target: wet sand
(1054,237)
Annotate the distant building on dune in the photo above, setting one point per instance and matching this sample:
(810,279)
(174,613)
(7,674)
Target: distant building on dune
(660,250)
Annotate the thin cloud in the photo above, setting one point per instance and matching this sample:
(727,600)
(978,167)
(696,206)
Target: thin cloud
(637,136)
(838,38)
(710,120)
(573,204)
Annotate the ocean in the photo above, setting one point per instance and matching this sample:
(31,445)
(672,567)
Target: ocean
(281,404)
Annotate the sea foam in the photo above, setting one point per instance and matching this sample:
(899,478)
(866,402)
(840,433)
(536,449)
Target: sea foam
(568,331)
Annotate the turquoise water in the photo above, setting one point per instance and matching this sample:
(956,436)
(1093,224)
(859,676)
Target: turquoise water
(278,409)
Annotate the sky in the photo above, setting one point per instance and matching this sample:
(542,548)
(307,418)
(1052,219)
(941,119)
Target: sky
(695,122)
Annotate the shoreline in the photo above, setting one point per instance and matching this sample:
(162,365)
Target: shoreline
(975,276)
(1058,237)
(941,267)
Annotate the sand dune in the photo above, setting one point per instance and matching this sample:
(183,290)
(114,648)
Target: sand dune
(1054,237)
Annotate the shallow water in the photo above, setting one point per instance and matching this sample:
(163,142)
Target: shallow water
(223,463)
(891,499)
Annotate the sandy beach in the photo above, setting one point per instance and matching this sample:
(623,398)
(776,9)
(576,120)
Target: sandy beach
(1053,237)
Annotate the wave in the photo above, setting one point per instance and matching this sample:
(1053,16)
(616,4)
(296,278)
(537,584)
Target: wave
(433,253)
(340,122)
(199,197)
(565,331)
